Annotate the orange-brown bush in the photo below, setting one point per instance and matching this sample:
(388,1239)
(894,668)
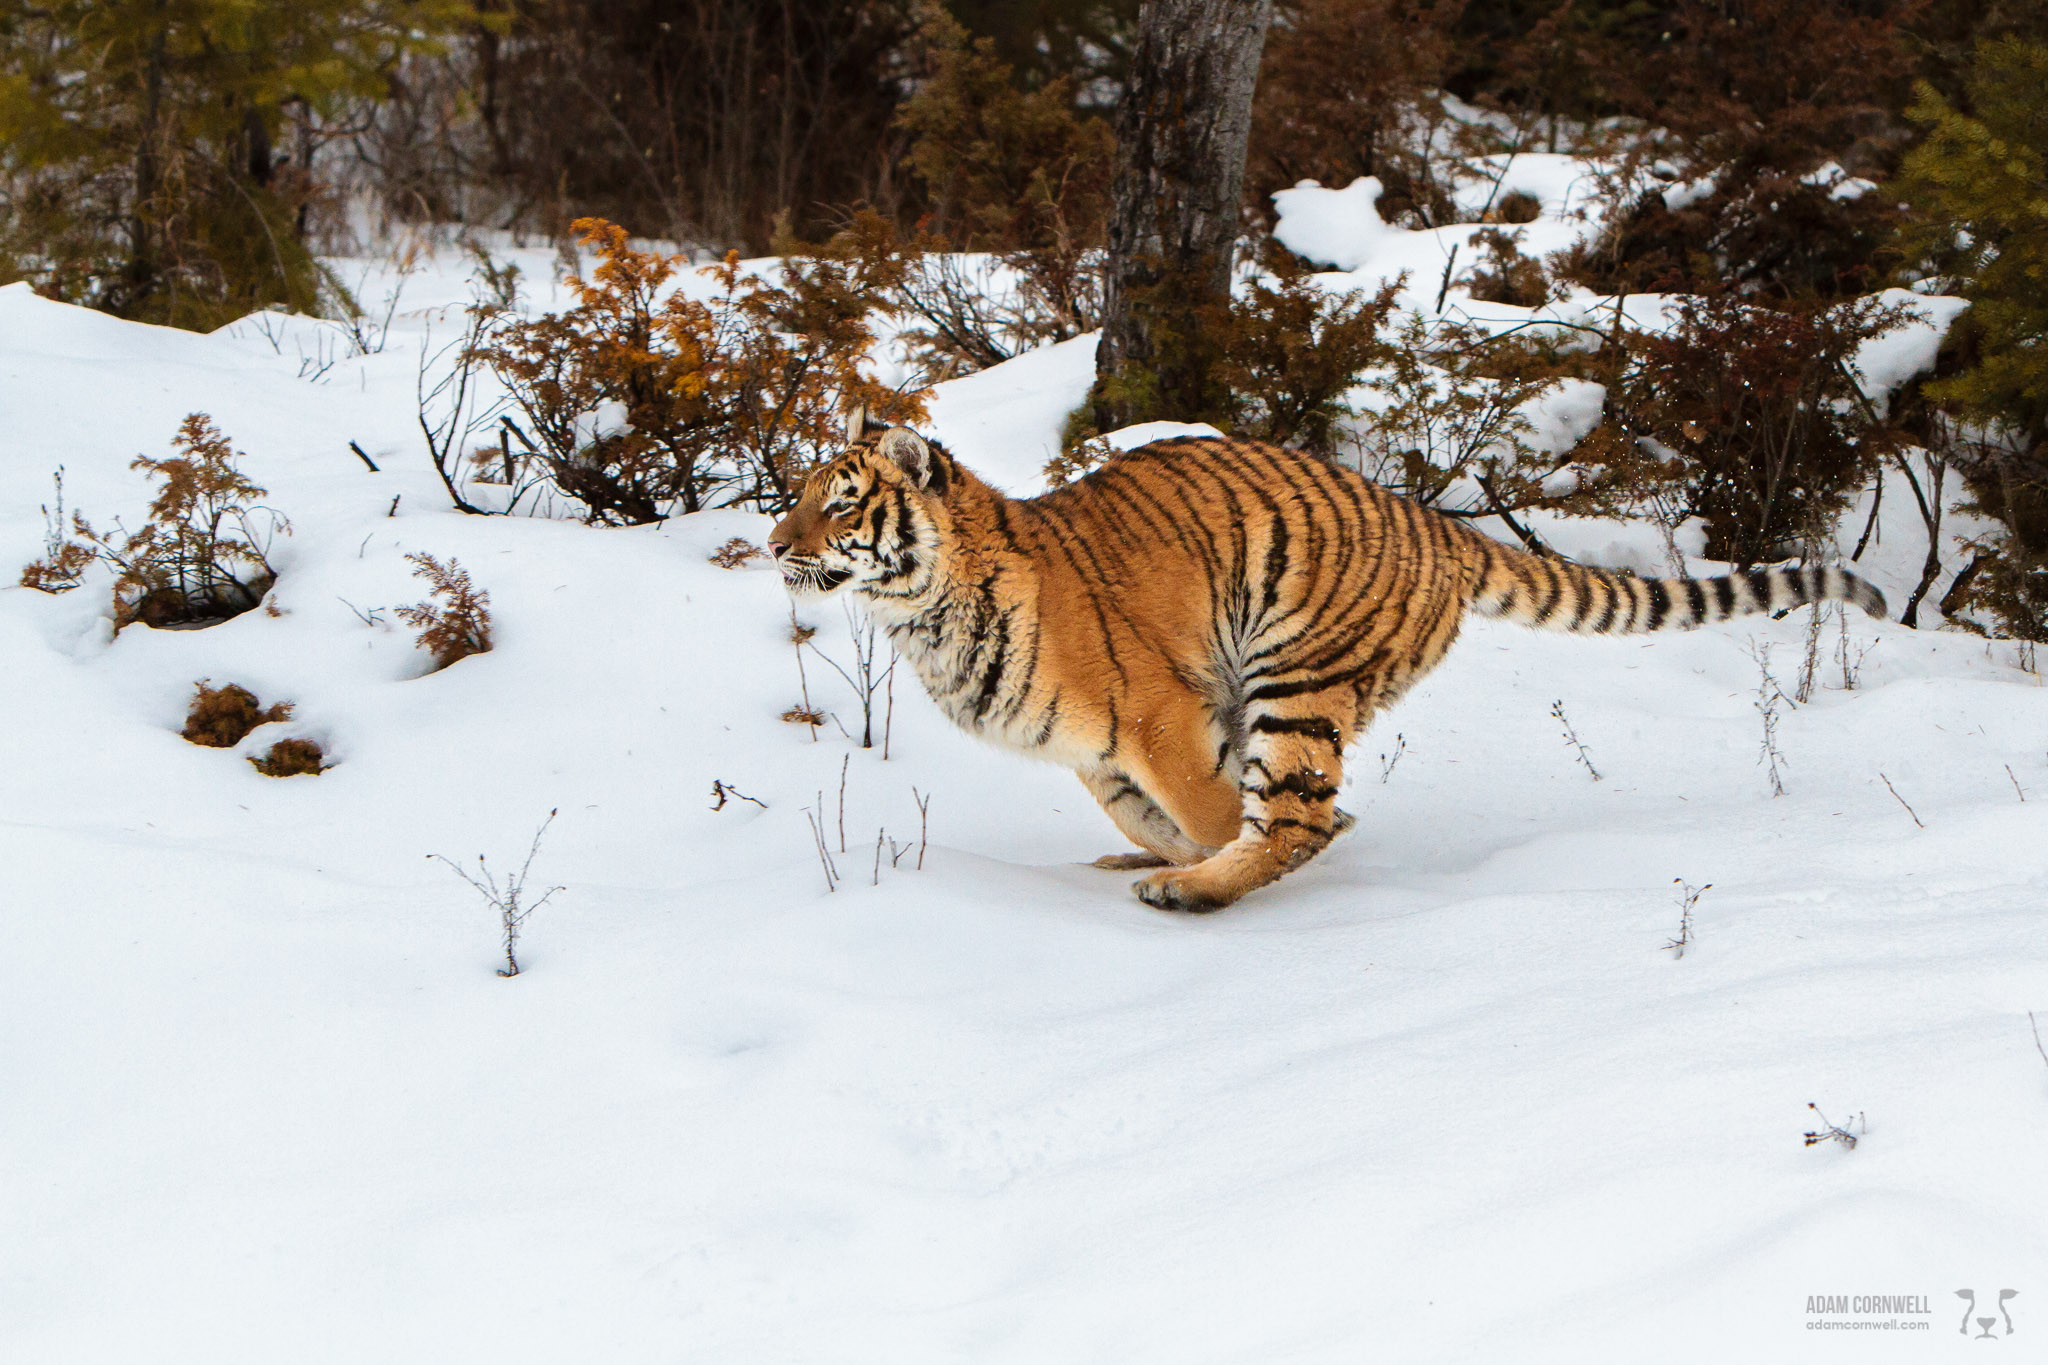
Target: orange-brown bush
(222,717)
(641,400)
(292,758)
(203,554)
(459,624)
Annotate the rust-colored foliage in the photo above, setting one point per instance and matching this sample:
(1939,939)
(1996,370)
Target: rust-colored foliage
(60,569)
(292,758)
(642,400)
(201,556)
(222,717)
(736,552)
(459,624)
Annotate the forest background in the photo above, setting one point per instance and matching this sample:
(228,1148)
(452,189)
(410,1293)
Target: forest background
(191,161)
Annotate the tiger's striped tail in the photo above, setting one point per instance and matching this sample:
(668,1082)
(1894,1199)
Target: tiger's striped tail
(1556,594)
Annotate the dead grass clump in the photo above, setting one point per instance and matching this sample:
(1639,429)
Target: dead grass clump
(736,552)
(292,758)
(458,625)
(222,717)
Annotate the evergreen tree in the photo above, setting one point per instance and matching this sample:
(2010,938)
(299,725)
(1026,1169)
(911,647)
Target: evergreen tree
(139,161)
(1979,184)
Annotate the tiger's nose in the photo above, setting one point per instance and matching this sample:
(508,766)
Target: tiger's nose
(778,548)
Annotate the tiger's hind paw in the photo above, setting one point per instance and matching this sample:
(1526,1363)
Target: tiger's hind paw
(1181,891)
(1129,862)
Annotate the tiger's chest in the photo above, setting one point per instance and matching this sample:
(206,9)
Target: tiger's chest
(995,673)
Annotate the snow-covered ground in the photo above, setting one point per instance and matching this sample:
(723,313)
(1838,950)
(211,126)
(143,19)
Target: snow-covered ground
(1444,1094)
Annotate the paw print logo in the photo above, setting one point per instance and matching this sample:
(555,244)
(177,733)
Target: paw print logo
(1969,1298)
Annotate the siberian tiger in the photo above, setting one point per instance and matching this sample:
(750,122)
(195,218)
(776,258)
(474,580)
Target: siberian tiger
(1198,627)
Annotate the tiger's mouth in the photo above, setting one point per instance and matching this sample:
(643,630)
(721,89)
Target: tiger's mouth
(814,578)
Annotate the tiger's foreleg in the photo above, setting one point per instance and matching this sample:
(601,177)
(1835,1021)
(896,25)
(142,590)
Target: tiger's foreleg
(1293,766)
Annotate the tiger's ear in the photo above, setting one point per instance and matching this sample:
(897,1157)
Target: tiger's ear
(914,457)
(861,425)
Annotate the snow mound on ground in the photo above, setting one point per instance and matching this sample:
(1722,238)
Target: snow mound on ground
(1343,228)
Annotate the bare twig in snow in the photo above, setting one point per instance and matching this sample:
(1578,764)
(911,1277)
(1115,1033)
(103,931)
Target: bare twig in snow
(1571,737)
(1388,763)
(818,839)
(1900,799)
(1834,1132)
(1767,698)
(1688,897)
(720,791)
(509,898)
(924,806)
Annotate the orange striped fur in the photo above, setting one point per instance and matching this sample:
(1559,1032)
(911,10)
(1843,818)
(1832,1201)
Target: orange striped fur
(1199,627)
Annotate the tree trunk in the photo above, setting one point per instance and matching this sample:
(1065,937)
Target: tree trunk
(141,270)
(1181,137)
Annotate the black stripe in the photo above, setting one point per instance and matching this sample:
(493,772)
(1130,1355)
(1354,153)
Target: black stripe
(1660,602)
(1317,727)
(1759,589)
(1724,597)
(1274,691)
(1583,586)
(1696,598)
(1614,593)
(1294,784)
(992,675)
(1556,585)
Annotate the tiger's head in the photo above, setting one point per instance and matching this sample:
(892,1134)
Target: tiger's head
(862,521)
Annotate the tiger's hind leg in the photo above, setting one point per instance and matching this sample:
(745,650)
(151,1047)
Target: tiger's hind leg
(1293,765)
(1143,822)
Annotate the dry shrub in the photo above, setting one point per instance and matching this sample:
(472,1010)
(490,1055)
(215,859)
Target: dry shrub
(222,717)
(203,554)
(641,401)
(1755,416)
(60,569)
(1451,430)
(292,758)
(459,624)
(736,552)
(1292,350)
(1015,173)
(1287,352)
(1516,206)
(1504,274)
(1342,85)
(1766,235)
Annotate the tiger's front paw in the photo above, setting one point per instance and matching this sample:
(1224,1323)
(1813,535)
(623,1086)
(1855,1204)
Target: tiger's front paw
(1185,891)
